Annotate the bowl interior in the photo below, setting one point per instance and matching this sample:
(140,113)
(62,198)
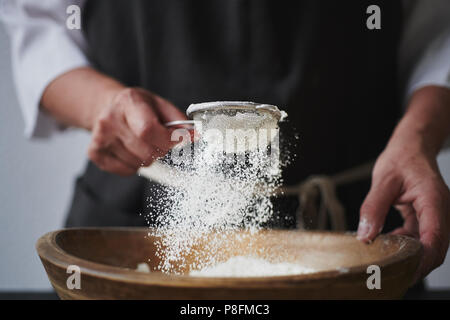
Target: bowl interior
(322,251)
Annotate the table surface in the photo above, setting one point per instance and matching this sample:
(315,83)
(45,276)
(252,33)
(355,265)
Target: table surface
(49,295)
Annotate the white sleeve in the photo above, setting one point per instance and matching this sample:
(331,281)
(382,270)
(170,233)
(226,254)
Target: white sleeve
(42,49)
(425,46)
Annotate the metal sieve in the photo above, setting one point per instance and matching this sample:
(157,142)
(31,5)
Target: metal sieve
(228,107)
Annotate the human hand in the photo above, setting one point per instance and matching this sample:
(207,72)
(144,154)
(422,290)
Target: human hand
(128,130)
(408,178)
(406,175)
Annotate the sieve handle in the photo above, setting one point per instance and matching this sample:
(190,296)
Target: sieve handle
(180,123)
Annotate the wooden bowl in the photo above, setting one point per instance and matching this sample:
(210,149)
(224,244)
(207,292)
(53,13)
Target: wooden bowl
(108,257)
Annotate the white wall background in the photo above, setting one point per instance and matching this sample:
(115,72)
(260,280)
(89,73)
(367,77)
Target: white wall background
(35,188)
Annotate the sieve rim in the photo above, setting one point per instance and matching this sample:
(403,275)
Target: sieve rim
(234,105)
(180,123)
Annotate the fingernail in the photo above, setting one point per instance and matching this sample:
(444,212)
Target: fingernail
(363,229)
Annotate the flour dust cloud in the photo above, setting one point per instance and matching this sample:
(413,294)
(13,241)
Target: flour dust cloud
(233,170)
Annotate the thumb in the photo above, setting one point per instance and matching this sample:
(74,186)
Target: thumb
(166,111)
(383,193)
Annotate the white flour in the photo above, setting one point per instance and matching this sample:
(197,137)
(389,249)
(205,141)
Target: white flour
(224,192)
(250,267)
(143,267)
(240,132)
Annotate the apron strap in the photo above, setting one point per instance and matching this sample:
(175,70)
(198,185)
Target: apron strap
(324,188)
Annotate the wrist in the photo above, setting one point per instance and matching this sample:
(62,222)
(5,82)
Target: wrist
(103,101)
(77,97)
(413,138)
(426,123)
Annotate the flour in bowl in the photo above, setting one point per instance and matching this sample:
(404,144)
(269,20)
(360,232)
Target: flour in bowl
(251,267)
(143,267)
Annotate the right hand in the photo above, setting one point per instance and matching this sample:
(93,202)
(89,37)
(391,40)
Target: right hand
(129,132)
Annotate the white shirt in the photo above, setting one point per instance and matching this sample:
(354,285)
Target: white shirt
(44,48)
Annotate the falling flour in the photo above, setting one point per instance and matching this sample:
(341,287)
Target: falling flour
(223,192)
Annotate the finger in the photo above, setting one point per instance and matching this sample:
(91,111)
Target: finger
(375,207)
(139,147)
(145,125)
(120,152)
(135,146)
(145,152)
(160,137)
(107,162)
(433,234)
(410,224)
(102,135)
(103,141)
(180,136)
(407,230)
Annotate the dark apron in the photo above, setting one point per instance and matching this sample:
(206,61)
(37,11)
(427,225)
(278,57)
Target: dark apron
(316,59)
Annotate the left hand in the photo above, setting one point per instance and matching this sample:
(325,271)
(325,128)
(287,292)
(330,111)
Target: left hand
(406,176)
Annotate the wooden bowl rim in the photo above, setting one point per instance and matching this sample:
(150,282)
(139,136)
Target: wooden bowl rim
(49,250)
